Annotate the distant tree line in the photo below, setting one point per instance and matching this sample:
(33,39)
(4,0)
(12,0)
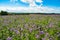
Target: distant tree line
(3,13)
(8,13)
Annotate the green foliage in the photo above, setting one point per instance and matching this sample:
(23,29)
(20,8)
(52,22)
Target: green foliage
(3,13)
(15,27)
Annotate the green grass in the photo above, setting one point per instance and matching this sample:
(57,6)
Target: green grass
(30,27)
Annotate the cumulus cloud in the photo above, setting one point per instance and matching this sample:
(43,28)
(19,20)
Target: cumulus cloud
(39,1)
(32,2)
(31,9)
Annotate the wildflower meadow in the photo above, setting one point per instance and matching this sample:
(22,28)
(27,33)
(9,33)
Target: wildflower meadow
(30,27)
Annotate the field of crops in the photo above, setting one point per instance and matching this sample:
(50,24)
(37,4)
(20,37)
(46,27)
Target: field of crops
(30,27)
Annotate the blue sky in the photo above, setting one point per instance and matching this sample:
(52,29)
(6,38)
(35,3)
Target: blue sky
(47,4)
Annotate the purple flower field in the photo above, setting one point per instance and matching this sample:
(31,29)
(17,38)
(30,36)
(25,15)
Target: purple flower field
(30,27)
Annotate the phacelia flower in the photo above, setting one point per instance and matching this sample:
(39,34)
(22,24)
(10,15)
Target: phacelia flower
(9,38)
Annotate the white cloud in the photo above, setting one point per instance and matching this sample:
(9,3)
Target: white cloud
(31,9)
(32,2)
(39,1)
(24,0)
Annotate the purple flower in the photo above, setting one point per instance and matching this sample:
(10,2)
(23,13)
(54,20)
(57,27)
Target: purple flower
(33,25)
(26,25)
(37,36)
(51,24)
(30,29)
(47,35)
(41,32)
(17,32)
(12,29)
(43,38)
(9,38)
